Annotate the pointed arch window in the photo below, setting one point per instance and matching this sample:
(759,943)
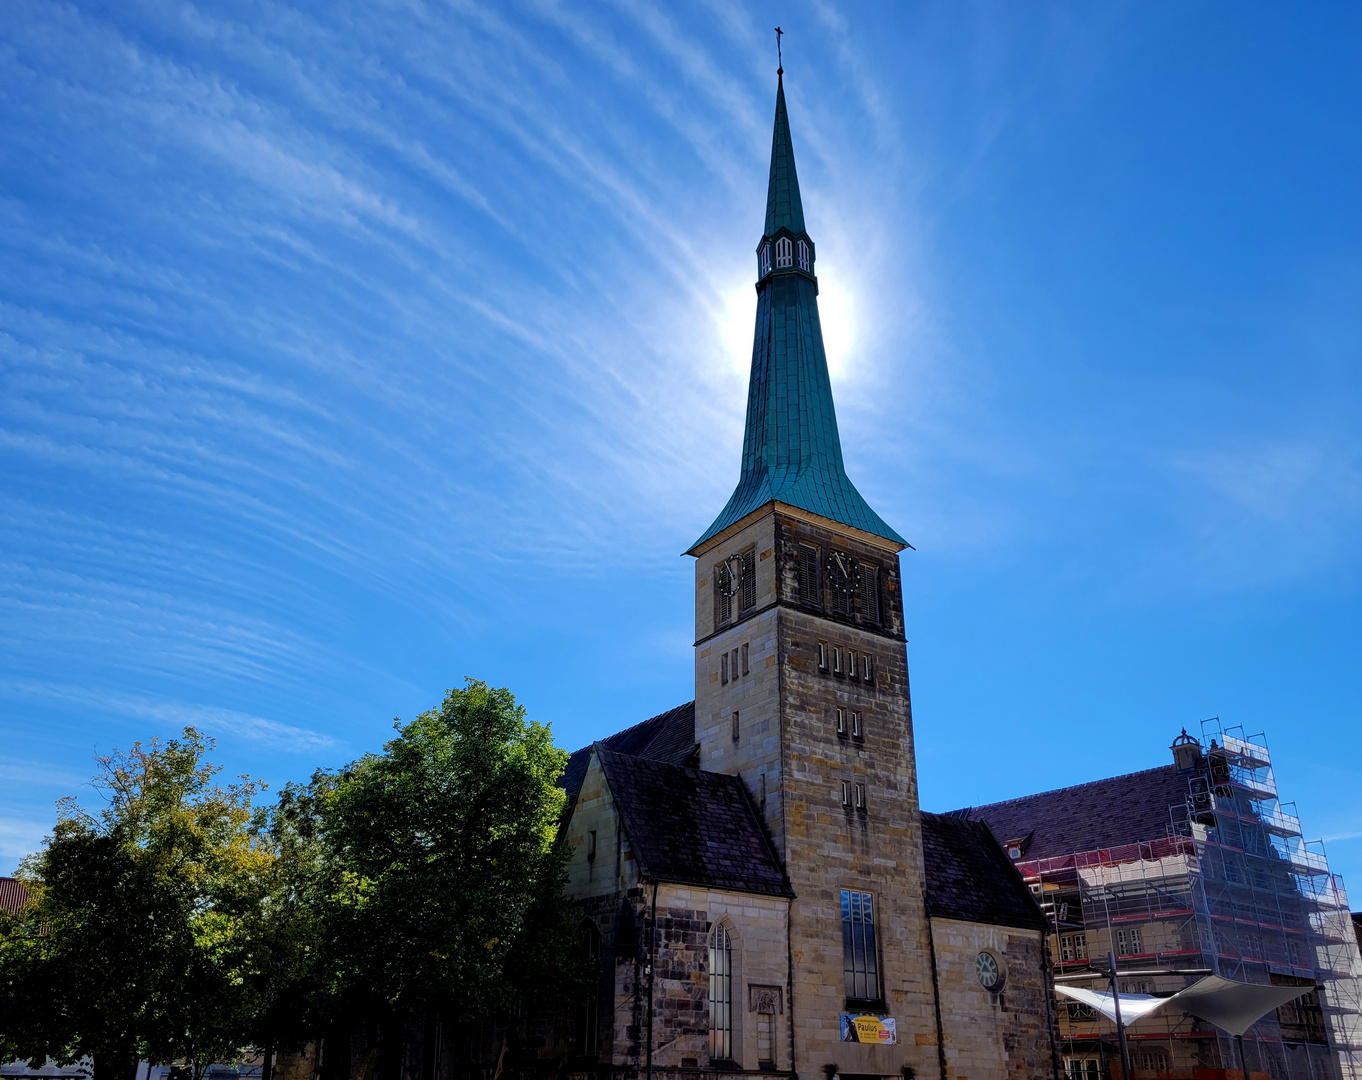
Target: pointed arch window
(765,259)
(803,256)
(784,252)
(720,994)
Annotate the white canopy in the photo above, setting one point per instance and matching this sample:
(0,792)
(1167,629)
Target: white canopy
(1232,1006)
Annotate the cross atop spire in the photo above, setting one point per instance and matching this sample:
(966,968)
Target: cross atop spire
(791,450)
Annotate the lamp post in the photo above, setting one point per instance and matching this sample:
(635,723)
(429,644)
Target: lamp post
(1120,1026)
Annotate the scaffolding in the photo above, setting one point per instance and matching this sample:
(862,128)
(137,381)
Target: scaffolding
(1232,889)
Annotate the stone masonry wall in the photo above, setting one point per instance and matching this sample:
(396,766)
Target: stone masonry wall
(994,1036)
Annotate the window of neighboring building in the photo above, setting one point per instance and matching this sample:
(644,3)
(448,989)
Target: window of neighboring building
(1073,946)
(720,994)
(860,965)
(784,252)
(803,255)
(808,576)
(1128,942)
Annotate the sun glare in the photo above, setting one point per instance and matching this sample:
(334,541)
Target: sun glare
(834,311)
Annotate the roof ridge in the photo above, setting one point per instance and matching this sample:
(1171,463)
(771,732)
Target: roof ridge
(634,727)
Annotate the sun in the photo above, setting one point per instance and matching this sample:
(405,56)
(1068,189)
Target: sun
(738,316)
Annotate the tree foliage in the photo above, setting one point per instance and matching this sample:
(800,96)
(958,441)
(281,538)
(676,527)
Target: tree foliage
(180,923)
(443,887)
(138,939)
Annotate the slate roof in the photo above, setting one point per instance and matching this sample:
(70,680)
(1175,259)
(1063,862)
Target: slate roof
(668,736)
(1128,809)
(693,827)
(792,452)
(970,877)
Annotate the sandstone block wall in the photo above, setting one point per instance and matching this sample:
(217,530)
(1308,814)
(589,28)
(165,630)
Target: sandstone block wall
(994,1036)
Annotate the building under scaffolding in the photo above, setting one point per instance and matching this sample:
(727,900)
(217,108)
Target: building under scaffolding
(1191,869)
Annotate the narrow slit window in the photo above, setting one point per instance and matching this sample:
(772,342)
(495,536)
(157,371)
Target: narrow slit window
(846,792)
(723,669)
(857,730)
(842,723)
(837,660)
(822,656)
(853,668)
(745,650)
(784,252)
(859,797)
(735,725)
(735,665)
(868,664)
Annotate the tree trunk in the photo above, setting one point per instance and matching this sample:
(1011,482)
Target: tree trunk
(115,1063)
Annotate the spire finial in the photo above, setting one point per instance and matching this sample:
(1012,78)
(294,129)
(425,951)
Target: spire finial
(780,60)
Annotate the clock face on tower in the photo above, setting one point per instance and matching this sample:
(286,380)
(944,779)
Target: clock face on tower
(734,565)
(990,974)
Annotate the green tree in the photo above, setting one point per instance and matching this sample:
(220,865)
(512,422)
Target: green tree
(141,937)
(445,881)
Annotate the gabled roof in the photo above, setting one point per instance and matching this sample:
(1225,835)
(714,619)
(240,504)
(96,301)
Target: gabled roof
(792,452)
(969,877)
(1129,809)
(668,736)
(692,827)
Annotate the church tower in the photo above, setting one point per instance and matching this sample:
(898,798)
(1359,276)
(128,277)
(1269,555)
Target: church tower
(801,674)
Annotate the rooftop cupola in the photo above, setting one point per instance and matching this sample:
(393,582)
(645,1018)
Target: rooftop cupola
(791,453)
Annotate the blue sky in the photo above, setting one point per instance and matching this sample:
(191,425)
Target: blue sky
(348,351)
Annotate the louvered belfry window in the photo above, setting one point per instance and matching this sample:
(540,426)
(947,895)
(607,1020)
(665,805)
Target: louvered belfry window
(808,576)
(723,594)
(765,259)
(840,571)
(859,963)
(720,995)
(803,256)
(784,252)
(868,585)
(747,591)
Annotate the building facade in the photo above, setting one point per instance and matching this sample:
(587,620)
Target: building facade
(1196,867)
(755,875)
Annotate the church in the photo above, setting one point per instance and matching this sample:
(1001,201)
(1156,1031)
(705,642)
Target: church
(756,879)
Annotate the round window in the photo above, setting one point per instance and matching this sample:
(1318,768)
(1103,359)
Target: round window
(989,968)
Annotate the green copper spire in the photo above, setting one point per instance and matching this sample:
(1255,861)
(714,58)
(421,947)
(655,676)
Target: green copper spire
(791,450)
(784,210)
